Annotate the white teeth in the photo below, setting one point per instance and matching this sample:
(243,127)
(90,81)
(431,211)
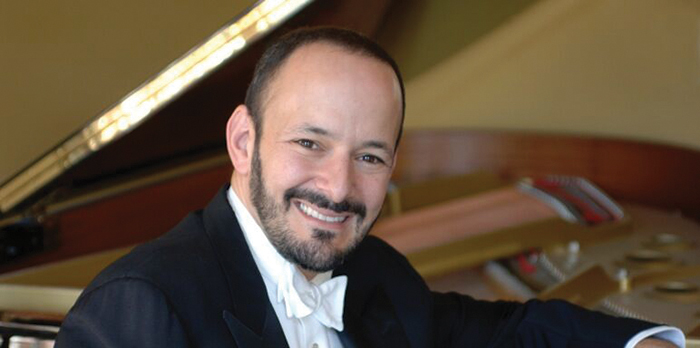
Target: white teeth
(310,212)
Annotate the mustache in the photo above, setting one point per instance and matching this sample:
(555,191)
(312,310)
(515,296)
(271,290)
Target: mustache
(318,199)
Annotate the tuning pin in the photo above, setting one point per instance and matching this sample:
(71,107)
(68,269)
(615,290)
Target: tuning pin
(623,277)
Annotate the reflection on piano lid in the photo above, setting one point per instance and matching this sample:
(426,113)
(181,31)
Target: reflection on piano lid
(189,100)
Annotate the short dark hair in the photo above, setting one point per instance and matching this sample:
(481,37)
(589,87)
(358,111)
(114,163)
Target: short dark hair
(276,54)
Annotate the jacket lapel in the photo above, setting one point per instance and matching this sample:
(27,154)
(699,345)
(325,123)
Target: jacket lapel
(373,324)
(385,306)
(272,335)
(369,316)
(252,320)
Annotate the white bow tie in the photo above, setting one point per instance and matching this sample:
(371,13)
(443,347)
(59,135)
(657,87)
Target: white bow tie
(302,298)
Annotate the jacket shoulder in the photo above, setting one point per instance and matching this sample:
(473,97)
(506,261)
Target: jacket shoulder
(184,248)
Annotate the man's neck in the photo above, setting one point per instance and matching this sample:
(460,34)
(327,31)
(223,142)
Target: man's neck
(241,188)
(309,275)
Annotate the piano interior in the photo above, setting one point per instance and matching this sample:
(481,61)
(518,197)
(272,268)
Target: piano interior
(610,224)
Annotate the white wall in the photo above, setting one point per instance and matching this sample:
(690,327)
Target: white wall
(606,67)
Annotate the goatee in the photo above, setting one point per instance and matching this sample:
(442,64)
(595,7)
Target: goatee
(318,253)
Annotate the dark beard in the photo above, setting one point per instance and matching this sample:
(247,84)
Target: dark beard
(317,254)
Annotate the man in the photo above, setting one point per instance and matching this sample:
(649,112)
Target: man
(281,258)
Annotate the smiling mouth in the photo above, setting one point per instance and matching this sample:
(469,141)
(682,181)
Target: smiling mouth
(307,210)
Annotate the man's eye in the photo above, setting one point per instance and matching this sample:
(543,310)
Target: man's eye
(371,159)
(307,143)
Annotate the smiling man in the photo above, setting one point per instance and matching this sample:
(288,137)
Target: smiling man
(316,168)
(281,257)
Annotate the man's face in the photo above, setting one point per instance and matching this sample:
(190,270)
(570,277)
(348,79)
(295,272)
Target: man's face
(321,168)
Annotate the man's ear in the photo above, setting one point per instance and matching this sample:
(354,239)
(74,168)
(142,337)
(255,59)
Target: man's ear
(240,139)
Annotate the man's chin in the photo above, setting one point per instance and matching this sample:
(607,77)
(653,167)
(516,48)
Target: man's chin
(323,258)
(320,267)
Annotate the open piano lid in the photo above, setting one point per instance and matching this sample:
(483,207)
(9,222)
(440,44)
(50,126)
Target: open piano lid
(181,112)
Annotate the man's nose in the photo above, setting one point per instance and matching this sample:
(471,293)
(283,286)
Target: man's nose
(336,178)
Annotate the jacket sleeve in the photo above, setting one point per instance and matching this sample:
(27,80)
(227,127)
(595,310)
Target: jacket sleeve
(462,321)
(125,312)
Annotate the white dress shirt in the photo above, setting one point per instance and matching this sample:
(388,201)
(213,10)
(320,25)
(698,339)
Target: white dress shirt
(276,272)
(668,333)
(309,332)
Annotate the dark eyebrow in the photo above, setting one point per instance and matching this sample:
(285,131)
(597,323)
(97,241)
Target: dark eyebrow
(377,145)
(307,128)
(316,130)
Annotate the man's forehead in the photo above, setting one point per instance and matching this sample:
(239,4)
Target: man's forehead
(320,82)
(317,56)
(318,50)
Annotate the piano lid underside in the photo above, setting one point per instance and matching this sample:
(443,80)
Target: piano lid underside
(194,123)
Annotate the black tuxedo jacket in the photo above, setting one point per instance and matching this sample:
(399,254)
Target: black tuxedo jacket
(198,286)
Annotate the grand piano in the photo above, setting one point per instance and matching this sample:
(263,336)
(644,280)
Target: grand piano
(143,163)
